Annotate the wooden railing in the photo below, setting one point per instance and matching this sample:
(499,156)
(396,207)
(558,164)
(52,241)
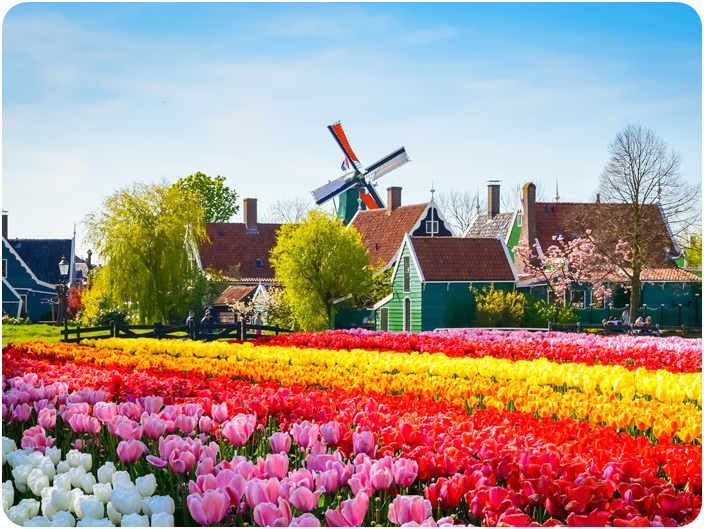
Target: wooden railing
(218,331)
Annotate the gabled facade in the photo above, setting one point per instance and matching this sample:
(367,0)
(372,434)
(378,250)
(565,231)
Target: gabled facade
(23,294)
(432,278)
(383,230)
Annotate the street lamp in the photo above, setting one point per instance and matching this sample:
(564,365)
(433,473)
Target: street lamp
(62,290)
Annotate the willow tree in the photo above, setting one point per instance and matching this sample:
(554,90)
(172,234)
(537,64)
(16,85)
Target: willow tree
(319,261)
(148,236)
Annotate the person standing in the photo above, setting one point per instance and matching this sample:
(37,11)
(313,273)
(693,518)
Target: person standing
(206,324)
(258,321)
(626,317)
(191,318)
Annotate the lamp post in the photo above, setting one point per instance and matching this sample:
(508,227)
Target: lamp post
(62,290)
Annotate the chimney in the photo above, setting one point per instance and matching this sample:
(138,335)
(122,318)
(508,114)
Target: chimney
(529,231)
(393,198)
(4,225)
(494,202)
(250,214)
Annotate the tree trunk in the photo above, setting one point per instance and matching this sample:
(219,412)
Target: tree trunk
(635,294)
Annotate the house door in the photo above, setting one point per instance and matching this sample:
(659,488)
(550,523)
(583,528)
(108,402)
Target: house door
(384,317)
(407,314)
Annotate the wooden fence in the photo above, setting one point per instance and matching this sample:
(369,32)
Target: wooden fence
(237,331)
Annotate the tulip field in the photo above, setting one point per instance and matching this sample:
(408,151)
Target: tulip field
(354,428)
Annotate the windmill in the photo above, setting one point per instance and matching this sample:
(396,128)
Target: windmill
(357,184)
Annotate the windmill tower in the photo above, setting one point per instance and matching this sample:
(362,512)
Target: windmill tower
(355,189)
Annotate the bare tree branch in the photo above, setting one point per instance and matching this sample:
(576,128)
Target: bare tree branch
(289,210)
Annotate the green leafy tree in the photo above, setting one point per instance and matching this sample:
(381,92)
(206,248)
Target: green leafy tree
(694,251)
(498,308)
(148,235)
(219,201)
(319,261)
(381,287)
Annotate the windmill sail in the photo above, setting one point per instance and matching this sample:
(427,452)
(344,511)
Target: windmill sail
(387,164)
(341,139)
(332,189)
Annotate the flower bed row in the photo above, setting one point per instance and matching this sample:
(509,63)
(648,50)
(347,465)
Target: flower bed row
(601,394)
(674,354)
(495,466)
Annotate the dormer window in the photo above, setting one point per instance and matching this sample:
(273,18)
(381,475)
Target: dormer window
(432,227)
(260,262)
(519,219)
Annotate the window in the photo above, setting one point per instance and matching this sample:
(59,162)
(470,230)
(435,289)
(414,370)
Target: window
(260,262)
(577,299)
(519,219)
(4,268)
(406,274)
(407,314)
(431,227)
(23,305)
(384,317)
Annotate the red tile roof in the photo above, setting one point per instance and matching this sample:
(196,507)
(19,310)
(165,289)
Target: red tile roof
(382,231)
(233,294)
(668,274)
(232,244)
(552,218)
(460,259)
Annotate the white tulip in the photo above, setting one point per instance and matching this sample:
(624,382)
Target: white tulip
(8,495)
(62,467)
(48,467)
(76,474)
(86,461)
(16,458)
(162,519)
(128,501)
(72,458)
(18,514)
(89,507)
(102,491)
(60,499)
(37,521)
(106,471)
(8,445)
(135,520)
(62,481)
(21,474)
(113,514)
(87,483)
(92,522)
(35,459)
(37,481)
(32,506)
(63,519)
(73,496)
(54,454)
(146,485)
(158,504)
(48,509)
(120,476)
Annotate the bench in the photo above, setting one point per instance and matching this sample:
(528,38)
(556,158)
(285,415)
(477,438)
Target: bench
(564,327)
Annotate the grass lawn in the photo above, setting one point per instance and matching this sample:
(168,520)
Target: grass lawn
(28,333)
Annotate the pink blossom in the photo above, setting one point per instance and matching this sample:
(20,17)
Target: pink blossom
(130,451)
(262,491)
(131,410)
(239,429)
(364,443)
(186,423)
(405,509)
(267,514)
(276,465)
(305,520)
(305,434)
(304,500)
(35,439)
(205,424)
(153,427)
(405,471)
(84,424)
(280,442)
(351,513)
(332,432)
(181,461)
(219,412)
(152,404)
(47,418)
(209,508)
(105,411)
(21,413)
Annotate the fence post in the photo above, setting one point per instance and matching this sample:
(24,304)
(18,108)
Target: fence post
(276,329)
(78,333)
(244,330)
(662,314)
(680,314)
(590,314)
(65,330)
(157,330)
(239,330)
(113,329)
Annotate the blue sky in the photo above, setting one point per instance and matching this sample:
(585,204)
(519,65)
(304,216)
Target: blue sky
(97,96)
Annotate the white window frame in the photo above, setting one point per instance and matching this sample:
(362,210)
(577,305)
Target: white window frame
(432,227)
(519,219)
(407,314)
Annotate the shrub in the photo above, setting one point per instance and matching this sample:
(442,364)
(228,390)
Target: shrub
(538,314)
(498,308)
(9,320)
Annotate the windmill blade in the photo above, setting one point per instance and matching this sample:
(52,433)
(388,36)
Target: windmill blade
(332,189)
(387,164)
(371,192)
(339,135)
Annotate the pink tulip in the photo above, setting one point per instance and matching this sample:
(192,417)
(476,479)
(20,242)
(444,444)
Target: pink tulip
(47,418)
(84,424)
(332,432)
(303,477)
(157,462)
(4,411)
(381,478)
(21,413)
(124,428)
(304,500)
(205,466)
(305,434)
(262,491)
(364,443)
(153,427)
(209,508)
(181,461)
(202,483)
(205,424)
(407,509)
(131,410)
(351,513)
(405,471)
(186,423)
(280,442)
(239,429)
(233,484)
(105,411)
(305,520)
(267,514)
(219,412)
(35,439)
(42,404)
(276,465)
(152,404)
(130,451)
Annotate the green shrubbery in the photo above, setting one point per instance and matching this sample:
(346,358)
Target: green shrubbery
(498,308)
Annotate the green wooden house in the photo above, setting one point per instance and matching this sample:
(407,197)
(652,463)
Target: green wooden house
(432,279)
